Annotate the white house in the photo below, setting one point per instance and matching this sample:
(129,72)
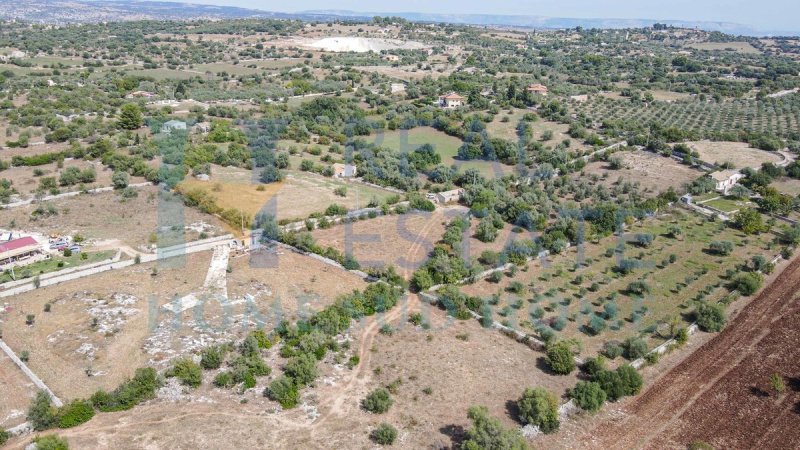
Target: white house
(726,179)
(344,170)
(397,87)
(449,196)
(451,100)
(172,125)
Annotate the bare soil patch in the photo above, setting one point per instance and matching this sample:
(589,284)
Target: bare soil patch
(738,153)
(401,240)
(17,390)
(653,172)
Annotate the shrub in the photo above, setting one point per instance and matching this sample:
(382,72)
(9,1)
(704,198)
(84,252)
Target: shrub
(249,347)
(588,395)
(224,380)
(187,371)
(593,366)
(638,287)
(488,433)
(722,248)
(539,407)
(75,413)
(4,436)
(596,325)
(284,391)
(51,442)
(385,434)
(211,358)
(559,358)
(635,348)
(612,350)
(378,401)
(559,324)
(262,339)
(710,317)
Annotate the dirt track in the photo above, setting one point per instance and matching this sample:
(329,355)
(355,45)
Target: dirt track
(721,393)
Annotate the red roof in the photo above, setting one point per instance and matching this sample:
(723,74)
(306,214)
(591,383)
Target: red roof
(17,243)
(452,96)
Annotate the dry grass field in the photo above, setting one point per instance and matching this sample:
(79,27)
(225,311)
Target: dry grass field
(106,215)
(653,172)
(400,240)
(17,391)
(298,196)
(286,285)
(738,153)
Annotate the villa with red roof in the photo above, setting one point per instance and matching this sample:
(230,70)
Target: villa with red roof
(451,100)
(18,249)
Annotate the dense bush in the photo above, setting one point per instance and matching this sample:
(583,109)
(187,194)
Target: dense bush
(211,358)
(51,442)
(378,401)
(588,395)
(747,283)
(187,371)
(635,348)
(141,387)
(559,358)
(620,383)
(488,433)
(75,413)
(539,407)
(302,369)
(384,434)
(722,248)
(284,391)
(710,317)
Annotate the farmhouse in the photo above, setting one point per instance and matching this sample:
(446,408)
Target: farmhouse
(397,87)
(451,100)
(449,196)
(173,125)
(140,94)
(726,179)
(344,170)
(18,250)
(537,89)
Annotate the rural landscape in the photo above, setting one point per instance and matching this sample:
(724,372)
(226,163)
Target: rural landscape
(227,229)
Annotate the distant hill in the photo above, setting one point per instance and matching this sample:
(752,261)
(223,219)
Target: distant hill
(92,11)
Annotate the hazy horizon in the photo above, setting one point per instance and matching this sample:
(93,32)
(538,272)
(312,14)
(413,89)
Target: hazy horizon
(772,15)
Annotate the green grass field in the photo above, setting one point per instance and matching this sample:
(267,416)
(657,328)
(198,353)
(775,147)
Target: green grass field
(54,264)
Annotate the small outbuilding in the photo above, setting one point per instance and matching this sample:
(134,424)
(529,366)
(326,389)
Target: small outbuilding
(344,170)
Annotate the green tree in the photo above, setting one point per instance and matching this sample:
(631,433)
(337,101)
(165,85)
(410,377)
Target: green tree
(187,371)
(749,221)
(41,414)
(539,407)
(130,117)
(487,433)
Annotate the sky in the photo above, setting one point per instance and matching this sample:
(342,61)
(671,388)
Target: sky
(763,15)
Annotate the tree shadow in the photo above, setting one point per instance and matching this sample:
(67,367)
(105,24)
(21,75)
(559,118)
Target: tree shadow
(541,364)
(512,410)
(456,433)
(794,383)
(758,392)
